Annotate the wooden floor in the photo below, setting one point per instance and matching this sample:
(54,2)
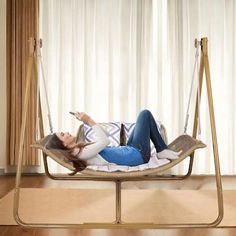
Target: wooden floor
(195,182)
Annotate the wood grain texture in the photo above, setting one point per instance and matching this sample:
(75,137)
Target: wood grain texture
(21,25)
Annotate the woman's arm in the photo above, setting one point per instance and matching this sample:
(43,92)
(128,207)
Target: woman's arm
(101,138)
(101,141)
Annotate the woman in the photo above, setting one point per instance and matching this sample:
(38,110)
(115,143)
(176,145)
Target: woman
(136,152)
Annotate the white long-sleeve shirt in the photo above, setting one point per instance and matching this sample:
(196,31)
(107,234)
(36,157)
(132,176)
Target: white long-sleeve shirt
(90,152)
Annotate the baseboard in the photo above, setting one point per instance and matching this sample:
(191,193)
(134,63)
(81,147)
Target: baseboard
(25,171)
(2,171)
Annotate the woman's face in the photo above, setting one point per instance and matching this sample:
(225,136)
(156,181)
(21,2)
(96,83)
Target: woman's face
(67,139)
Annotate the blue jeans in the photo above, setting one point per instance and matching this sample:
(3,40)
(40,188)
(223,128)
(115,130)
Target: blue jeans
(144,131)
(123,155)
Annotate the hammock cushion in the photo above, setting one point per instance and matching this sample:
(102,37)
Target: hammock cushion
(184,142)
(112,128)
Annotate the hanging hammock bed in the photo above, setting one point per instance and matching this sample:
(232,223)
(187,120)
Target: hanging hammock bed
(186,143)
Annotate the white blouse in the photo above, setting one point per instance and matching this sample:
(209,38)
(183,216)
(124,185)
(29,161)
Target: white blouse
(90,152)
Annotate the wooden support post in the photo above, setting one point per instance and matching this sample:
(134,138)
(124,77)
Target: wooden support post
(213,132)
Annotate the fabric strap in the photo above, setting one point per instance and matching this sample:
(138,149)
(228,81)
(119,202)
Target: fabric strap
(39,56)
(194,75)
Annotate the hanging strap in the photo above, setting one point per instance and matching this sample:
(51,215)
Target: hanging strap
(38,94)
(39,56)
(196,65)
(198,93)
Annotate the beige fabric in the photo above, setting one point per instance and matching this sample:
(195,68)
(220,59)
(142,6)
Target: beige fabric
(184,142)
(89,205)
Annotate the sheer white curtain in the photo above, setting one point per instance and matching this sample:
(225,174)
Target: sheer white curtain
(217,21)
(112,58)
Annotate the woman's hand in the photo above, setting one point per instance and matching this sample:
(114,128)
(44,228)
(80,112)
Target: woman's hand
(82,116)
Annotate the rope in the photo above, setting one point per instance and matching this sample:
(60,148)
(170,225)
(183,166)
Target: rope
(39,55)
(198,97)
(38,94)
(196,64)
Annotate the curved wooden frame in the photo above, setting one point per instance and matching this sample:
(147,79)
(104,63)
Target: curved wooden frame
(118,223)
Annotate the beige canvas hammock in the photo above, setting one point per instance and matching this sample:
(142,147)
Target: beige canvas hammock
(185,143)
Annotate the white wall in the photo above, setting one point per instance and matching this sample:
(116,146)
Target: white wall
(2,83)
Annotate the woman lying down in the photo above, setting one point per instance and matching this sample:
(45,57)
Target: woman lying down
(136,152)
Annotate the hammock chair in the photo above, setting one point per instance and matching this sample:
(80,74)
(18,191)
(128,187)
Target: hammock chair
(188,144)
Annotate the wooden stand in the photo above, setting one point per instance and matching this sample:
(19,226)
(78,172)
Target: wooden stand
(118,223)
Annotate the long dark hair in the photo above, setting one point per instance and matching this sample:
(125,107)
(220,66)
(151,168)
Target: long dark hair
(55,143)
